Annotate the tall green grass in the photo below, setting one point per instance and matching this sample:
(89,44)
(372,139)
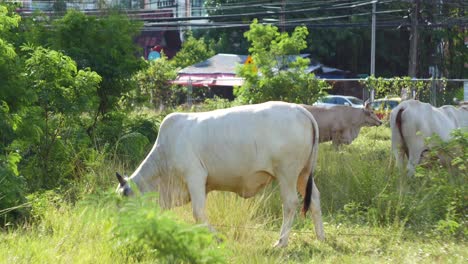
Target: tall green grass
(103,228)
(372,214)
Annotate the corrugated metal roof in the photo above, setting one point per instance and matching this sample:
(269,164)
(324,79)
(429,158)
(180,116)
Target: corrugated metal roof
(223,63)
(218,64)
(220,70)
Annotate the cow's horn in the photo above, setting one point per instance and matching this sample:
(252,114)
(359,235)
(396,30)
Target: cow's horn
(121,180)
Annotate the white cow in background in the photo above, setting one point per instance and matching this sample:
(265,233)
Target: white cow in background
(412,121)
(341,124)
(240,149)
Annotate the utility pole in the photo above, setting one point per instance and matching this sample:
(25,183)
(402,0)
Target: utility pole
(188,11)
(413,52)
(282,16)
(372,63)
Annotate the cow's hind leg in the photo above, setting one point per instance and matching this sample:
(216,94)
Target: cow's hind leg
(414,156)
(315,204)
(398,149)
(317,211)
(290,201)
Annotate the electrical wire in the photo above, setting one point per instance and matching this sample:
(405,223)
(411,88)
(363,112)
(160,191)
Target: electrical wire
(387,18)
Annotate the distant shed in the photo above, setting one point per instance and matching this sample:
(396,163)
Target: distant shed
(219,73)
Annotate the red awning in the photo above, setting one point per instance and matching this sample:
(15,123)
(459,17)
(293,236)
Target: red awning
(211,80)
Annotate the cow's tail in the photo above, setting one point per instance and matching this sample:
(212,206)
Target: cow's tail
(313,164)
(398,125)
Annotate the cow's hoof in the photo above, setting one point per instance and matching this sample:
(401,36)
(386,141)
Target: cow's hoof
(321,237)
(280,244)
(219,239)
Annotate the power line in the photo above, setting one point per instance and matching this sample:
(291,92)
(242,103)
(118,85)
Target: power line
(301,8)
(394,25)
(264,13)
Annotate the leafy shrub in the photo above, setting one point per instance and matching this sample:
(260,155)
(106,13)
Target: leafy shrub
(130,147)
(442,178)
(147,230)
(12,191)
(127,137)
(213,103)
(44,201)
(361,185)
(273,75)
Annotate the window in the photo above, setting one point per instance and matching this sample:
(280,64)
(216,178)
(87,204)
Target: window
(356,101)
(393,104)
(197,8)
(340,101)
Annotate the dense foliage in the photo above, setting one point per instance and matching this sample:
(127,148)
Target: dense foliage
(74,110)
(12,194)
(193,51)
(277,72)
(106,46)
(50,103)
(147,230)
(154,83)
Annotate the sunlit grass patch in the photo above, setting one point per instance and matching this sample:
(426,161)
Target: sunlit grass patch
(372,214)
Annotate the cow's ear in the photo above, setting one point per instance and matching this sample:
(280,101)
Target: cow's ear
(367,104)
(121,180)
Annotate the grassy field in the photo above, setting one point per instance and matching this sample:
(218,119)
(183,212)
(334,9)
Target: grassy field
(372,215)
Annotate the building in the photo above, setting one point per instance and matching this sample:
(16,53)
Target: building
(219,74)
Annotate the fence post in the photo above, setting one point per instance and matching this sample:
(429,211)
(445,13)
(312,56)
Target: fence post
(433,91)
(189,93)
(465,91)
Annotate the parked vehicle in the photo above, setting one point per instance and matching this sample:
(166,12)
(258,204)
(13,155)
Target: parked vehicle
(386,103)
(384,106)
(332,100)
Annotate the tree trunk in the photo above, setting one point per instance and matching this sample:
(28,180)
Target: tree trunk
(413,52)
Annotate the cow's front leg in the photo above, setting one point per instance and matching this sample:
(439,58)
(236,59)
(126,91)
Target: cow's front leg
(197,189)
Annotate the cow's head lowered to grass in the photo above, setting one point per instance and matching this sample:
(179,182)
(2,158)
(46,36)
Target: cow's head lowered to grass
(123,188)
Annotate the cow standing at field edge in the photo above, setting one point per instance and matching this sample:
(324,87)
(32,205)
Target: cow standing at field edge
(412,121)
(240,149)
(341,124)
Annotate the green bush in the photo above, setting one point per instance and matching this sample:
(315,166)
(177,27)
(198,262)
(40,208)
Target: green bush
(12,191)
(146,230)
(127,137)
(360,185)
(273,75)
(442,182)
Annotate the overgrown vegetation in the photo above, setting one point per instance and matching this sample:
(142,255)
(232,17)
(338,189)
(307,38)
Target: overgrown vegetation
(372,214)
(63,134)
(276,71)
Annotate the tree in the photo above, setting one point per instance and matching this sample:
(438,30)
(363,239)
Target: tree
(12,93)
(13,186)
(52,128)
(193,51)
(154,81)
(277,72)
(106,45)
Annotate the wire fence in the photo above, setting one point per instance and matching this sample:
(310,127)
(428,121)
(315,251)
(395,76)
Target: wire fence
(436,91)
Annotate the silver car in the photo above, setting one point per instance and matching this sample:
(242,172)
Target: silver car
(332,100)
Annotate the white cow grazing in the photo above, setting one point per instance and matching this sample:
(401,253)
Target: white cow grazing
(240,149)
(412,121)
(341,124)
